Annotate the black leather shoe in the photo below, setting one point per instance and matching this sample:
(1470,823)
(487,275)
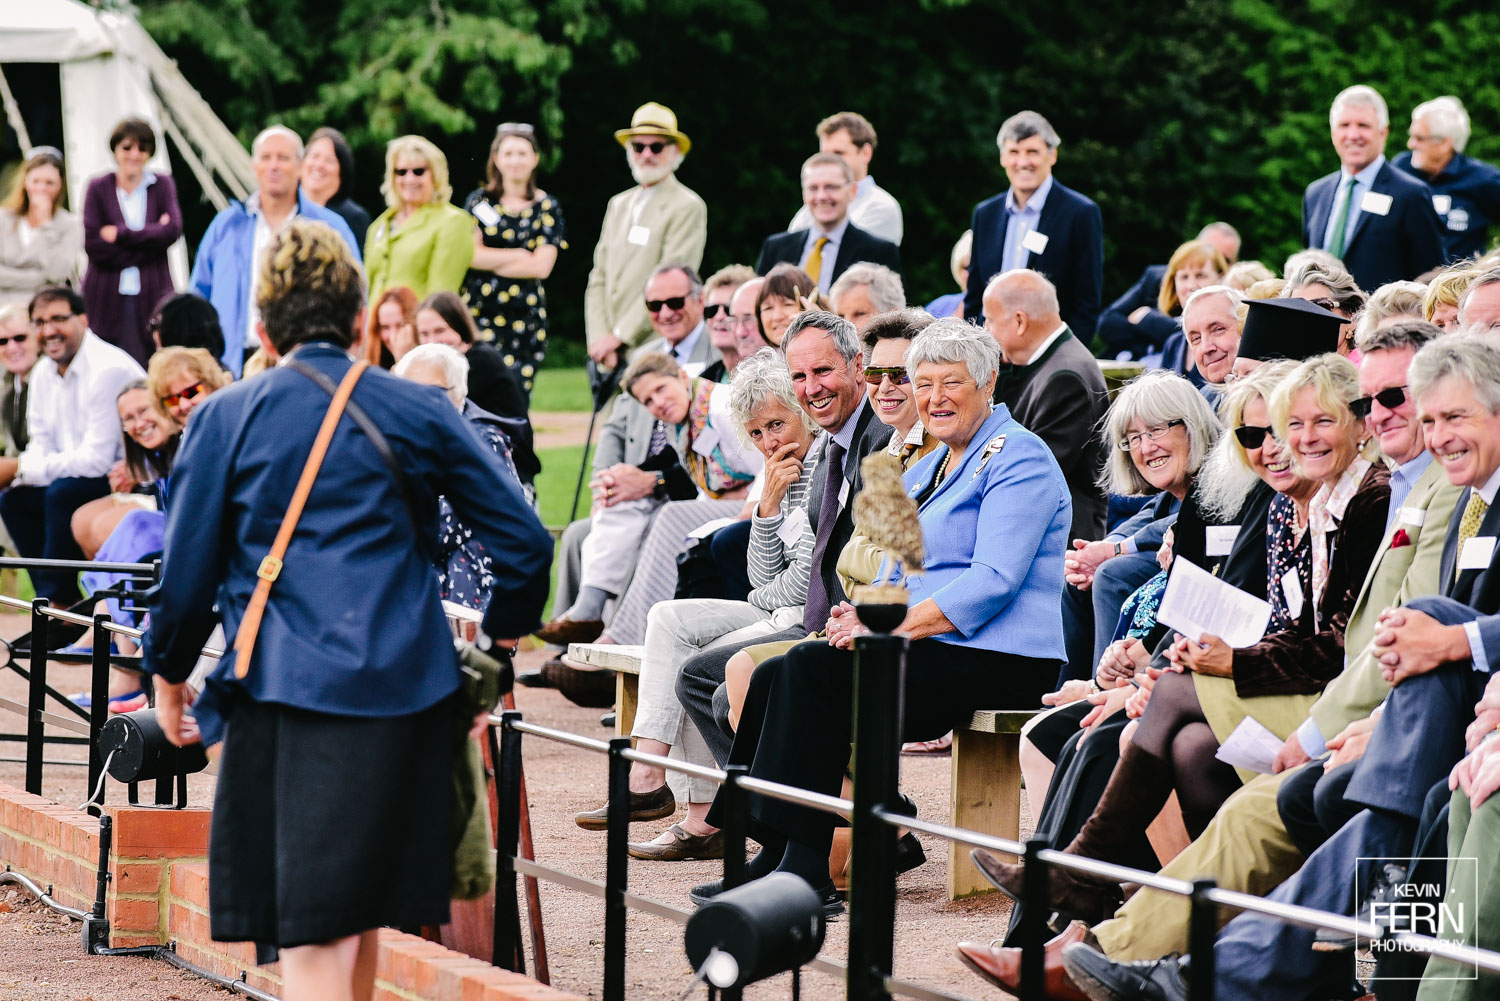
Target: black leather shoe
(909,853)
(608,720)
(832,902)
(1387,878)
(1103,979)
(653,805)
(534,679)
(704,892)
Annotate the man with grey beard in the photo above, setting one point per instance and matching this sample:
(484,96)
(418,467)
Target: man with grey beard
(657,220)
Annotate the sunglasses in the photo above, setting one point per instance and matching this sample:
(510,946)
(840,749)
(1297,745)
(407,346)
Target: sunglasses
(709,312)
(414,171)
(1251,436)
(1332,305)
(895,373)
(674,304)
(191,392)
(18,338)
(655,147)
(1389,398)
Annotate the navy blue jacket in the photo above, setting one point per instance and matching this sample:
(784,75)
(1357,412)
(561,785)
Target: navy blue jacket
(1115,328)
(354,625)
(855,246)
(1466,196)
(1397,246)
(1073,260)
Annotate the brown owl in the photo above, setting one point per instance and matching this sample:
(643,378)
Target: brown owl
(885,514)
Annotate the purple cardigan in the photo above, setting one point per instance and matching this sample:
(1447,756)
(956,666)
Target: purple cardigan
(144,248)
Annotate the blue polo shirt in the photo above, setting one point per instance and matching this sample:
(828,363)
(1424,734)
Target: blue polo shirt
(1466,195)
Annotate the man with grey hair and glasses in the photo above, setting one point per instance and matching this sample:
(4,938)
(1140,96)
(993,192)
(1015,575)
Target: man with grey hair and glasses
(1376,219)
(1465,192)
(1041,224)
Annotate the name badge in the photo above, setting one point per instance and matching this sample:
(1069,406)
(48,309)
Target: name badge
(1291,590)
(485,213)
(639,236)
(1477,553)
(1035,241)
(844,496)
(1221,539)
(1375,203)
(793,527)
(1416,517)
(1442,203)
(706,441)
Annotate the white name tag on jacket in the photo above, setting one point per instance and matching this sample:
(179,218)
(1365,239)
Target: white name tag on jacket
(1416,517)
(1291,590)
(706,441)
(1442,203)
(1221,539)
(1375,203)
(1476,553)
(1035,241)
(639,236)
(793,527)
(485,213)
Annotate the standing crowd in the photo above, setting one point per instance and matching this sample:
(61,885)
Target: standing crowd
(1324,435)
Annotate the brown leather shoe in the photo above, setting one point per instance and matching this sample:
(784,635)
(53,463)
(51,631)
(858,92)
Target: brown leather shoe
(677,845)
(1002,967)
(1077,897)
(565,631)
(653,805)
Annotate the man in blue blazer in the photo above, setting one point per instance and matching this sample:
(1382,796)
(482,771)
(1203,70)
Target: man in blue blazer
(1376,219)
(827,248)
(1465,192)
(1040,224)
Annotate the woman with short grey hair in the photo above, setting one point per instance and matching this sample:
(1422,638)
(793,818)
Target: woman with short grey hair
(864,291)
(953,341)
(764,382)
(441,366)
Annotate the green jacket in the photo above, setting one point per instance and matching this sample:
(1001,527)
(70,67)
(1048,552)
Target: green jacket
(429,252)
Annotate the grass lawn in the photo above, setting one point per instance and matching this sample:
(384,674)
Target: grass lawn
(554,489)
(561,389)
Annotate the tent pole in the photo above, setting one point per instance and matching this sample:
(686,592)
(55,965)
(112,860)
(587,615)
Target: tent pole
(13,115)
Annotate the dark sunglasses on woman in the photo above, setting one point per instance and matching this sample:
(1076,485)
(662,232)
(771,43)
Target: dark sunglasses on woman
(414,171)
(1251,436)
(896,373)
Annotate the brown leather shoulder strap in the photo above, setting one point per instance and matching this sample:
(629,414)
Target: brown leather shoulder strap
(270,567)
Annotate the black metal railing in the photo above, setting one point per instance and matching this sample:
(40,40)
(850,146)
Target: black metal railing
(879,668)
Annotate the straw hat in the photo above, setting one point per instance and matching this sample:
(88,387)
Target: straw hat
(652,119)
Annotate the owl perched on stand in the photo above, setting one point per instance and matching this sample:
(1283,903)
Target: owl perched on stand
(886,515)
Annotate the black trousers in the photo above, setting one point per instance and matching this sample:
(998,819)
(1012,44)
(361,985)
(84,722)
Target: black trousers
(701,676)
(1312,804)
(796,724)
(40,520)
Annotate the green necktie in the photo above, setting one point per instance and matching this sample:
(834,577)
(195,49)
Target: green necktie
(1468,526)
(1336,240)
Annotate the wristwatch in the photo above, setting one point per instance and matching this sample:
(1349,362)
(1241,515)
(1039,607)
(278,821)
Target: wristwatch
(1119,547)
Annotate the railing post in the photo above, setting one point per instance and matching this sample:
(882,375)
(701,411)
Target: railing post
(505,752)
(879,671)
(1035,906)
(615,861)
(99,707)
(1203,929)
(36,700)
(735,808)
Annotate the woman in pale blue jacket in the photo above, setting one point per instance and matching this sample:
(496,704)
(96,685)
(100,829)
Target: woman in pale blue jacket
(985,617)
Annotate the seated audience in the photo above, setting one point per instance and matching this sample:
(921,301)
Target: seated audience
(130,221)
(182,378)
(746,321)
(41,242)
(1390,303)
(443,319)
(421,240)
(1331,287)
(138,481)
(983,624)
(1211,327)
(718,296)
(1140,322)
(18,353)
(784,293)
(328,178)
(1440,304)
(864,290)
(187,320)
(952,304)
(393,327)
(1479,310)
(1246,273)
(73,437)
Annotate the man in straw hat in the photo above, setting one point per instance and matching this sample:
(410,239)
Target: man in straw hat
(657,220)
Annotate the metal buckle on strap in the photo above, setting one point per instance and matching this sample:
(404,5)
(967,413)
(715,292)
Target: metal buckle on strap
(270,569)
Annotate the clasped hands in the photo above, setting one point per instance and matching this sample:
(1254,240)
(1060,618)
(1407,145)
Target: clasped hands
(1408,642)
(621,482)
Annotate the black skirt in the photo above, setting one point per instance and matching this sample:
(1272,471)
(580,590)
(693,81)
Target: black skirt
(327,826)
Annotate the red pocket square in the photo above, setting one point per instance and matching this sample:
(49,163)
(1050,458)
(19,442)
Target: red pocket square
(1400,539)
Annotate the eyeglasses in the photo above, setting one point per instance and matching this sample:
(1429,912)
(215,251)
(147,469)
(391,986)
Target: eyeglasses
(674,304)
(191,392)
(1332,305)
(18,338)
(710,311)
(514,128)
(1390,398)
(1156,433)
(42,322)
(896,373)
(414,171)
(1251,436)
(655,147)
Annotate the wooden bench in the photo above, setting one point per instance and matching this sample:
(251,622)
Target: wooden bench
(984,789)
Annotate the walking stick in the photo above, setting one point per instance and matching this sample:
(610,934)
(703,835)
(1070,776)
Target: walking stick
(602,387)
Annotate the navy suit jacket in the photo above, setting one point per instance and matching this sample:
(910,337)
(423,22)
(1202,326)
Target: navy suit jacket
(354,626)
(1115,328)
(1397,246)
(1479,589)
(856,245)
(1073,260)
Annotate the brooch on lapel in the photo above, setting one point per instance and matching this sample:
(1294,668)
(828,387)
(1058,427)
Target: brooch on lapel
(990,450)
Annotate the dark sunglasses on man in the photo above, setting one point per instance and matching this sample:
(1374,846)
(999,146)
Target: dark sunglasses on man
(896,373)
(1390,398)
(710,311)
(674,304)
(191,392)
(654,147)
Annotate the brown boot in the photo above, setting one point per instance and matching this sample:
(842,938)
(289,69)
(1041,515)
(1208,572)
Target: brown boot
(1002,967)
(1076,897)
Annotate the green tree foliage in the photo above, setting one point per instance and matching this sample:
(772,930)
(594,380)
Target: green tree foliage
(1172,114)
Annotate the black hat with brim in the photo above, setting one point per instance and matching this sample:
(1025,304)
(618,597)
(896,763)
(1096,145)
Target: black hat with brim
(1288,328)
